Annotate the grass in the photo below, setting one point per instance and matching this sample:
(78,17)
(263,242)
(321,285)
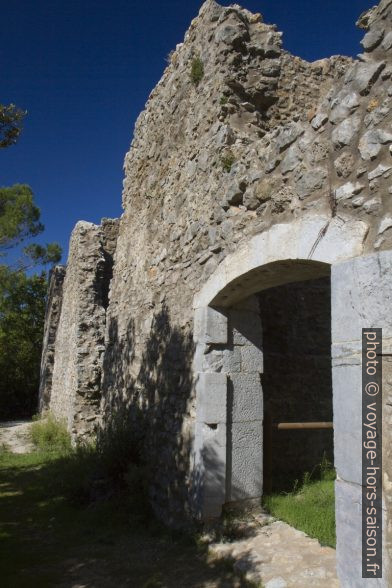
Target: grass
(64,524)
(197,71)
(50,435)
(309,507)
(227,161)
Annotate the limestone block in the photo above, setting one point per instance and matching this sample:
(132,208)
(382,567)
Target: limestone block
(380,170)
(247,434)
(251,359)
(287,135)
(371,142)
(386,223)
(341,241)
(348,190)
(311,181)
(246,472)
(211,397)
(346,131)
(361,296)
(348,499)
(372,39)
(387,42)
(247,402)
(210,326)
(347,410)
(232,360)
(363,75)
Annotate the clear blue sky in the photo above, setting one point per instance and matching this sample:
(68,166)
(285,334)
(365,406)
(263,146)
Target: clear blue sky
(83,70)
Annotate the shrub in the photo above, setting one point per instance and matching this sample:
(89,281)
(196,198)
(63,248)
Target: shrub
(223,100)
(227,161)
(50,435)
(197,71)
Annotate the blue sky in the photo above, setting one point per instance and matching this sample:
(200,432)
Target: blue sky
(83,70)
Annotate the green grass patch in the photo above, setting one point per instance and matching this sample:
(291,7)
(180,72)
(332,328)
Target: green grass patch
(227,161)
(50,435)
(197,70)
(309,507)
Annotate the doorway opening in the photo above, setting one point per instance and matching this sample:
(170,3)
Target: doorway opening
(296,382)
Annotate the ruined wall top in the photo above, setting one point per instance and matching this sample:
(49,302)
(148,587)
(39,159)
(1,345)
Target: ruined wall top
(262,136)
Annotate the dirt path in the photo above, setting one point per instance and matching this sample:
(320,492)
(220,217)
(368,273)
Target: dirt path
(279,556)
(14,435)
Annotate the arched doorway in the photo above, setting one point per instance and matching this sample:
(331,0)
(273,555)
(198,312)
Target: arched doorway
(228,449)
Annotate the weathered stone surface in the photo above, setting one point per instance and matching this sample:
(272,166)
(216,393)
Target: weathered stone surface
(372,39)
(52,318)
(75,391)
(348,190)
(311,181)
(380,170)
(371,142)
(362,76)
(319,120)
(344,164)
(345,132)
(262,174)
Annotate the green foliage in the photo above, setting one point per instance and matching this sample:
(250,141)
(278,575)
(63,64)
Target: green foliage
(22,297)
(223,100)
(11,119)
(20,220)
(51,436)
(22,311)
(310,507)
(19,216)
(38,254)
(227,161)
(197,71)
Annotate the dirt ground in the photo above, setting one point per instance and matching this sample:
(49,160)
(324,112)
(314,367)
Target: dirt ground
(14,436)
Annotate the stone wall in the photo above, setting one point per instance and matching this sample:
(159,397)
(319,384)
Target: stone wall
(75,391)
(52,318)
(263,140)
(210,166)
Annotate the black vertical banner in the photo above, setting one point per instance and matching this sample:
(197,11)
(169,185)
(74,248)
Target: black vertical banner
(371,453)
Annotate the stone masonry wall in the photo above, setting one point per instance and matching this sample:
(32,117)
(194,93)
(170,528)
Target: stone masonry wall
(75,393)
(262,138)
(52,318)
(211,165)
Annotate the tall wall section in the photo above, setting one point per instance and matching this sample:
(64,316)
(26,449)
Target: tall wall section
(76,317)
(262,138)
(52,318)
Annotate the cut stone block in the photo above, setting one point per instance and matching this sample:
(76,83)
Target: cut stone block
(210,326)
(247,402)
(211,395)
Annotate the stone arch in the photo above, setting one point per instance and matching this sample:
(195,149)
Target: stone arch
(307,248)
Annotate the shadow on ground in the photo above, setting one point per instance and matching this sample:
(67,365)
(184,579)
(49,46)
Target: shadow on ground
(46,541)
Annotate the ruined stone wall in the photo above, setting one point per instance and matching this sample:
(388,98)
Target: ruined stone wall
(52,317)
(75,391)
(263,138)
